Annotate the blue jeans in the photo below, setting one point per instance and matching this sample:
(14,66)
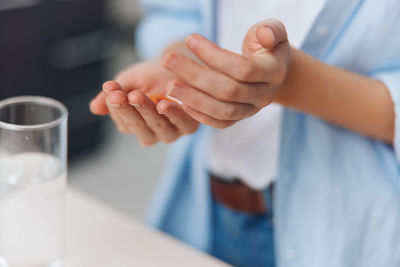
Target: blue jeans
(242,239)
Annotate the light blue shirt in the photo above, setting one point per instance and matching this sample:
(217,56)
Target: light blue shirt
(338,192)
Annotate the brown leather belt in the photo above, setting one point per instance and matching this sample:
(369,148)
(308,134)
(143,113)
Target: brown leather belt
(237,195)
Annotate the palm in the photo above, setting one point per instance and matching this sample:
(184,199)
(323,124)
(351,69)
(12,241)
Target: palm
(148,76)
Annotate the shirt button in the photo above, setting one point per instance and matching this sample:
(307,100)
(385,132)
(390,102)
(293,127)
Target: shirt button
(322,30)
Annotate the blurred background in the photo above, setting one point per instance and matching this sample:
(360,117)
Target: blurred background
(65,49)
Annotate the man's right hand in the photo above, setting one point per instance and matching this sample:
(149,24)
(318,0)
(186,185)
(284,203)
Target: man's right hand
(127,101)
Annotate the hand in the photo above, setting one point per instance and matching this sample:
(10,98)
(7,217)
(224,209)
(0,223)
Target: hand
(126,100)
(230,87)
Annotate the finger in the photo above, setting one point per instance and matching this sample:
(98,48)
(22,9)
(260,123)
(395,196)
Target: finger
(264,36)
(207,120)
(111,86)
(127,80)
(208,105)
(98,105)
(158,123)
(130,118)
(271,33)
(208,80)
(113,105)
(177,116)
(235,66)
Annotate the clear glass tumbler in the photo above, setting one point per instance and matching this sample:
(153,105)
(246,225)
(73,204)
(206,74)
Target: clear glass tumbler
(33,171)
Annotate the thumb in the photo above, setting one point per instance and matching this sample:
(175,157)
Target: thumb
(271,33)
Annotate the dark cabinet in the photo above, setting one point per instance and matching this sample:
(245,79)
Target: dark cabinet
(55,48)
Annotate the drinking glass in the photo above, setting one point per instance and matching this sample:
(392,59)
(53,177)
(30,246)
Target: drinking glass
(33,171)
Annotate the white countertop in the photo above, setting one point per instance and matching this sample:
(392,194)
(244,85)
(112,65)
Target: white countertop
(100,236)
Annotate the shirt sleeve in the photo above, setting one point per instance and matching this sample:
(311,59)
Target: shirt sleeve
(164,23)
(392,81)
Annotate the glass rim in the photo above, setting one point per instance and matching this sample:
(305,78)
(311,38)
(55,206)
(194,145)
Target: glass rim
(35,100)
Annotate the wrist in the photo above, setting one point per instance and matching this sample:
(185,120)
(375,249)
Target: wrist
(282,96)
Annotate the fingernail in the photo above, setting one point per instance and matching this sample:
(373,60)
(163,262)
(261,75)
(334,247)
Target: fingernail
(115,105)
(132,99)
(172,62)
(270,32)
(135,105)
(192,42)
(109,86)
